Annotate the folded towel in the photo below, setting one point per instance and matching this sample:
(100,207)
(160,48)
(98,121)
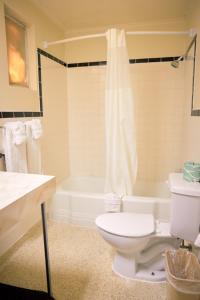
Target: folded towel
(36,128)
(112,202)
(191,171)
(18,132)
(197,241)
(14,145)
(34,132)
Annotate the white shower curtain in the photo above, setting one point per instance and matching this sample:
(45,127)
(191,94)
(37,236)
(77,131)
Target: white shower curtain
(121,160)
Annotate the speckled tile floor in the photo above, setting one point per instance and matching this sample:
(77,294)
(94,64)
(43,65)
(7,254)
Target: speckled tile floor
(80,266)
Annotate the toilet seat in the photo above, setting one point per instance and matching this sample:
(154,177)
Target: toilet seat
(127,224)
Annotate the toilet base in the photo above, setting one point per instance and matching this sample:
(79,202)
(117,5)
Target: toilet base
(151,275)
(145,275)
(125,266)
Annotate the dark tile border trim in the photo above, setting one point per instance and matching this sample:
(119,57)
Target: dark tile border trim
(50,56)
(28,114)
(20,114)
(194,112)
(131,61)
(87,64)
(40,52)
(40,79)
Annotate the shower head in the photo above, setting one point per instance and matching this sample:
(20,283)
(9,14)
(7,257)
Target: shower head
(175,63)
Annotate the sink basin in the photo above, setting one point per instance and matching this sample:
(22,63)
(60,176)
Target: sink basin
(14,186)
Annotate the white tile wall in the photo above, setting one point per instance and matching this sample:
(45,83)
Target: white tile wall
(86,121)
(159,106)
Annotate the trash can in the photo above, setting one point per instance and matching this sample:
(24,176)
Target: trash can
(183,275)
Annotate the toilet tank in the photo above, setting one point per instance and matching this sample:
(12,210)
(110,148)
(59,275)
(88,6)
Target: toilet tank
(185,207)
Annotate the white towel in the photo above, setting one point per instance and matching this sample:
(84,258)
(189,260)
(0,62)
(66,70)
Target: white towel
(34,132)
(14,144)
(112,202)
(197,241)
(36,128)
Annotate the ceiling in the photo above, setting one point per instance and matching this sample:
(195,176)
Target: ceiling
(73,15)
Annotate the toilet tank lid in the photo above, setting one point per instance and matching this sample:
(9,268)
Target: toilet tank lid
(127,224)
(180,186)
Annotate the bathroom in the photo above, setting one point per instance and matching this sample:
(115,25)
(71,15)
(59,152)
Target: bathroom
(69,101)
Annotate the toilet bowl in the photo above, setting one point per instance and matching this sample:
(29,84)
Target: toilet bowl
(139,242)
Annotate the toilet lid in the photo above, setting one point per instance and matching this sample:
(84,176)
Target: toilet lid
(127,224)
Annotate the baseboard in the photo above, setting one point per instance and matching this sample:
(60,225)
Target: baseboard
(77,218)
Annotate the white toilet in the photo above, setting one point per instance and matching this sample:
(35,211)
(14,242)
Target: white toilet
(140,241)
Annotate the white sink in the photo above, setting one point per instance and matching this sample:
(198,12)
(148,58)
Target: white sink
(14,186)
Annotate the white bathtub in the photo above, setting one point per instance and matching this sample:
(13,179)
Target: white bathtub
(80,200)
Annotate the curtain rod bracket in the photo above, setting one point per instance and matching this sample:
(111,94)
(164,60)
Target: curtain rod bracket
(192,32)
(45,44)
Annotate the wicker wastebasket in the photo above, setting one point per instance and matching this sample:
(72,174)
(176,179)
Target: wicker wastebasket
(183,275)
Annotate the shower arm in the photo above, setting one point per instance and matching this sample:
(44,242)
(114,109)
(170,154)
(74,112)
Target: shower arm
(188,49)
(190,45)
(191,33)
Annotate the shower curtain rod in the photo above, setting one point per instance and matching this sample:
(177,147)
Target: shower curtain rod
(190,32)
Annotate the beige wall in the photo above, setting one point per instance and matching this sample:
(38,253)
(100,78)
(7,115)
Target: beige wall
(192,123)
(158,95)
(55,101)
(45,30)
(39,28)
(138,46)
(86,121)
(55,141)
(54,120)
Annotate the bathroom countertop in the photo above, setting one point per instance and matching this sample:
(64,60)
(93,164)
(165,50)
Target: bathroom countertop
(20,197)
(16,186)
